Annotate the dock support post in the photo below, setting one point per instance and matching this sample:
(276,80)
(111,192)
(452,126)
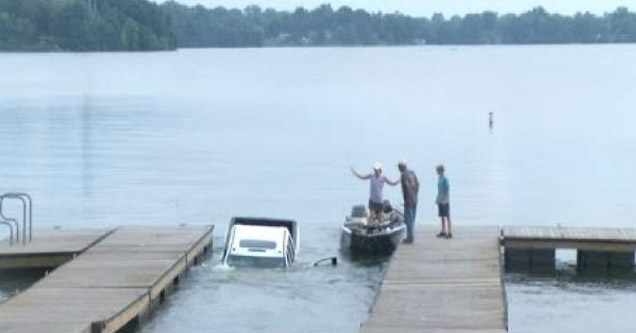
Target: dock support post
(622,260)
(97,326)
(604,260)
(132,326)
(529,258)
(543,258)
(517,258)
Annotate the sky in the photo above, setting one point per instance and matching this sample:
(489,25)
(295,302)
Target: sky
(428,7)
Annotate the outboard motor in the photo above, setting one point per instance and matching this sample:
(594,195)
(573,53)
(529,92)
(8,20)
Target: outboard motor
(359,211)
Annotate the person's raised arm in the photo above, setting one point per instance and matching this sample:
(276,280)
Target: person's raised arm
(363,177)
(388,181)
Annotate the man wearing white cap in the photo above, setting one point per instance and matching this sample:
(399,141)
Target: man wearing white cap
(377,180)
(410,188)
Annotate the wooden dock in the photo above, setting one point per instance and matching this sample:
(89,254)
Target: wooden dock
(592,239)
(443,285)
(51,248)
(111,285)
(605,248)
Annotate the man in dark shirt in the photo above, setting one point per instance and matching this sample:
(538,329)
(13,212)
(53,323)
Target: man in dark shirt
(410,187)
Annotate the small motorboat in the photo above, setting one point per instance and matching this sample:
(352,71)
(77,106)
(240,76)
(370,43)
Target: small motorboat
(261,242)
(360,236)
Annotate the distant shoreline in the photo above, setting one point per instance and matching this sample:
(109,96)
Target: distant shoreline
(431,46)
(140,25)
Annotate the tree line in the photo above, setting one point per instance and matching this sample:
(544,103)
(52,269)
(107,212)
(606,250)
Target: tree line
(97,25)
(84,25)
(202,27)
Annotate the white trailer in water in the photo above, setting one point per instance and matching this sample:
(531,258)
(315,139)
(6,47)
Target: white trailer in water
(261,242)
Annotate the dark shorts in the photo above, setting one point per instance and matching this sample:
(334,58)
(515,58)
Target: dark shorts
(444,210)
(375,207)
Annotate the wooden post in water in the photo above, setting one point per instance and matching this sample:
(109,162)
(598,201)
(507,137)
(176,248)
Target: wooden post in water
(516,258)
(604,260)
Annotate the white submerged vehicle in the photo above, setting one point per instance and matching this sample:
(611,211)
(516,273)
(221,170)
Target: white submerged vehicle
(261,242)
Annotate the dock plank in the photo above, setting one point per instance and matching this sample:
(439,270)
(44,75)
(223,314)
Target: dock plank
(443,285)
(591,239)
(153,238)
(50,248)
(111,283)
(56,241)
(48,310)
(110,271)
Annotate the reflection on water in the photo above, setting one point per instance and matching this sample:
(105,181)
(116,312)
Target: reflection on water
(569,299)
(571,302)
(199,136)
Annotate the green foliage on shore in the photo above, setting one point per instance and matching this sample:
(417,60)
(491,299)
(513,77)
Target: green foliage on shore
(84,25)
(131,25)
(219,27)
(533,27)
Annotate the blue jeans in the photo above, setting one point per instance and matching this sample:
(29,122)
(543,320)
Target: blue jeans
(409,220)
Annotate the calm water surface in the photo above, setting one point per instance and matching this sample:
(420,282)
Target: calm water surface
(199,136)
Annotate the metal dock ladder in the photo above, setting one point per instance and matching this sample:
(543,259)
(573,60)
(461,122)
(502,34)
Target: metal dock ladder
(27,217)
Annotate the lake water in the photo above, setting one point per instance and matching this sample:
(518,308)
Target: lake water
(199,136)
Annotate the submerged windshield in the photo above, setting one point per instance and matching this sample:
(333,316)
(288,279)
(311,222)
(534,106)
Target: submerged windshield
(255,243)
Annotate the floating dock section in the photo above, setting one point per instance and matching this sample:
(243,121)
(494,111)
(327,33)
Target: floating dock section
(456,285)
(597,248)
(443,285)
(50,249)
(116,278)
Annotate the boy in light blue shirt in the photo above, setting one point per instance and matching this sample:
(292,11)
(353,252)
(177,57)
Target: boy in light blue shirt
(443,202)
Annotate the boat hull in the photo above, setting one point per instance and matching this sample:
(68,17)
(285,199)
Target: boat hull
(380,243)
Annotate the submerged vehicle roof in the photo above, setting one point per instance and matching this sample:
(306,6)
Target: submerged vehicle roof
(262,242)
(264,221)
(291,225)
(259,240)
